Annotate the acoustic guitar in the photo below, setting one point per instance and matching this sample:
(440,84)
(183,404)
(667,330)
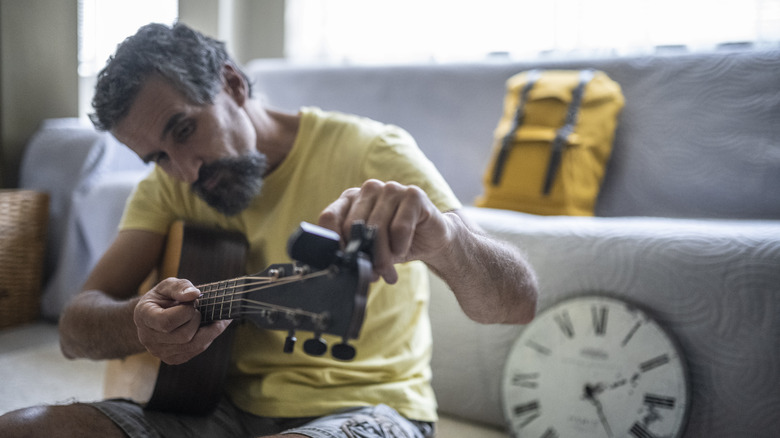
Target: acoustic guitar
(325,291)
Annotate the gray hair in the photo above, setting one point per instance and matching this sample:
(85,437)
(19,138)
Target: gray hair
(190,61)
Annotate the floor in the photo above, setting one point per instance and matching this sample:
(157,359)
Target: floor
(33,371)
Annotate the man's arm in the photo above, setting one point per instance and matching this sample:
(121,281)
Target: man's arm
(494,284)
(492,281)
(98,322)
(109,320)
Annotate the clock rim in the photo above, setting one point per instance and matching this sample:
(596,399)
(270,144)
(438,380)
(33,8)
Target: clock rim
(651,316)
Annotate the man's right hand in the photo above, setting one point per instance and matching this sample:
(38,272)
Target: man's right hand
(169,324)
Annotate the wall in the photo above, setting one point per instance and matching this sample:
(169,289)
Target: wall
(38,72)
(252,29)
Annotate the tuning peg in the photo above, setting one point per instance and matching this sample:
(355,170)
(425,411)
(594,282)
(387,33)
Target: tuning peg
(343,351)
(289,342)
(315,346)
(314,245)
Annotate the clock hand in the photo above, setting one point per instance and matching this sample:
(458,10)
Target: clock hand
(603,419)
(590,394)
(601,387)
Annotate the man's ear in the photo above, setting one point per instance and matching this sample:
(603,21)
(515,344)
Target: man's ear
(235,84)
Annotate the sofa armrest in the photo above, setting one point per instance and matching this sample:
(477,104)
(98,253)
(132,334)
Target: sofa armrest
(68,159)
(715,284)
(87,235)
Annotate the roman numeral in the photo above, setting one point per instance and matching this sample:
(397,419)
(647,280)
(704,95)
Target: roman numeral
(530,409)
(654,363)
(640,431)
(630,334)
(521,410)
(564,322)
(659,401)
(539,348)
(526,380)
(599,319)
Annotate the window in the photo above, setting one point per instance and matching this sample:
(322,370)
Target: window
(103,24)
(404,30)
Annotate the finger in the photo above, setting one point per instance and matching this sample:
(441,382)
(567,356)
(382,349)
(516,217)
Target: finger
(392,238)
(182,334)
(200,342)
(335,214)
(364,202)
(167,307)
(164,343)
(208,333)
(407,216)
(382,253)
(172,291)
(187,295)
(152,316)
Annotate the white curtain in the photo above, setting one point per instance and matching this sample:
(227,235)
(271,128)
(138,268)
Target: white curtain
(403,30)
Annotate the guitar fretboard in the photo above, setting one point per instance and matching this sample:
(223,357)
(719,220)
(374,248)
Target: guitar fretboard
(218,300)
(228,300)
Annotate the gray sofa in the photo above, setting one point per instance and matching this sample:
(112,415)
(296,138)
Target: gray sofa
(688,220)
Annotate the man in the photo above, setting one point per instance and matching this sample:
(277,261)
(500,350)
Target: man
(223,159)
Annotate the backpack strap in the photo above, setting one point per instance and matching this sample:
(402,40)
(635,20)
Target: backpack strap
(562,136)
(506,142)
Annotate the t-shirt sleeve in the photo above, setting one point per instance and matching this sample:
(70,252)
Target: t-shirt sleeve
(145,209)
(395,156)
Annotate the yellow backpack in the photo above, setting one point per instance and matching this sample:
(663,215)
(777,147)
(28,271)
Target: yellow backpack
(553,142)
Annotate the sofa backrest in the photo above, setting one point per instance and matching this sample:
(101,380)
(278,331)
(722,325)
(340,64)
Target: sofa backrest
(698,137)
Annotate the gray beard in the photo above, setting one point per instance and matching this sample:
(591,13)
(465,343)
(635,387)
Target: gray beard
(240,180)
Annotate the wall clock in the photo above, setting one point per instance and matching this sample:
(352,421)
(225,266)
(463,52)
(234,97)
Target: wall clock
(595,366)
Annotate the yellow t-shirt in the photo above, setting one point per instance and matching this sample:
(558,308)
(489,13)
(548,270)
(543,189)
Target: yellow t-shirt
(332,152)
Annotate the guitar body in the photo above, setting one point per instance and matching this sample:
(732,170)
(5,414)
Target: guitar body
(200,255)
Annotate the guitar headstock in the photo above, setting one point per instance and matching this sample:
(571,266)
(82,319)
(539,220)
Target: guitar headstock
(319,247)
(324,292)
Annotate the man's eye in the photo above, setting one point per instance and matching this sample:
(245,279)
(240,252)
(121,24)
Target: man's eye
(183,131)
(162,156)
(156,158)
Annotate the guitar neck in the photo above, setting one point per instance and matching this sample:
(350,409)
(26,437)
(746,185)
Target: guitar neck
(271,298)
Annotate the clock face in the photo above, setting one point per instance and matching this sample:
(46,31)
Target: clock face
(595,366)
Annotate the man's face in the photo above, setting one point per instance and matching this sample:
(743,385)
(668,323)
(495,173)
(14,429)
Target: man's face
(211,147)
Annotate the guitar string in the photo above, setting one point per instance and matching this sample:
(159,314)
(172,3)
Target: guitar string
(264,282)
(259,308)
(256,307)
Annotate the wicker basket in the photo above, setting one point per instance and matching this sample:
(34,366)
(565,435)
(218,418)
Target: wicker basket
(24,216)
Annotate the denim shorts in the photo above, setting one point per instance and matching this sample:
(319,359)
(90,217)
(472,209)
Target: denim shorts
(229,421)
